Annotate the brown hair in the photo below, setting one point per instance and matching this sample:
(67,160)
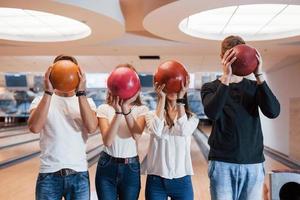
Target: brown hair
(230,42)
(65,57)
(138,101)
(188,112)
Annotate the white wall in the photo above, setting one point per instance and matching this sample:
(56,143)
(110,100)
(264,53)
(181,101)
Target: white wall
(285,84)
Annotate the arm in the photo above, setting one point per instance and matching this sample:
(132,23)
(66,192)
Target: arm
(110,130)
(155,120)
(136,126)
(265,99)
(214,99)
(180,95)
(38,116)
(185,126)
(87,114)
(154,124)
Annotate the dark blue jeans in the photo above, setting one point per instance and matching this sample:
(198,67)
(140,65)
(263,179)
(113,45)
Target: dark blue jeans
(158,188)
(54,187)
(116,180)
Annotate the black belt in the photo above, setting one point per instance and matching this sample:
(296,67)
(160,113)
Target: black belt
(121,160)
(65,172)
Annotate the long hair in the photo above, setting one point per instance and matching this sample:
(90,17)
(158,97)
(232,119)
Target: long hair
(138,101)
(188,112)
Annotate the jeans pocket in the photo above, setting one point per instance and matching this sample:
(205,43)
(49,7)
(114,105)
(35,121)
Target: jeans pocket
(84,175)
(134,167)
(104,161)
(42,176)
(211,168)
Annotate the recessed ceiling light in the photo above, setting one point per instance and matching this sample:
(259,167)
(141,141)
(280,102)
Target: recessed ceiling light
(37,26)
(252,22)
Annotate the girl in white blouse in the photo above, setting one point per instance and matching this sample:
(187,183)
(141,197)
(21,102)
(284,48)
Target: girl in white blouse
(118,170)
(169,165)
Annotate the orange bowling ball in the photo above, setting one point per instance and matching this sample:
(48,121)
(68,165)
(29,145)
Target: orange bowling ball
(171,73)
(64,76)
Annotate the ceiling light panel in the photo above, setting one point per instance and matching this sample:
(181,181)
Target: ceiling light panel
(253,22)
(36,26)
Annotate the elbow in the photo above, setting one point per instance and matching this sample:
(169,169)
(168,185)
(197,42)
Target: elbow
(211,115)
(92,129)
(33,129)
(107,143)
(273,115)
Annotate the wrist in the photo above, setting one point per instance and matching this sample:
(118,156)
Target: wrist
(48,93)
(127,113)
(81,93)
(118,113)
(225,80)
(180,101)
(258,74)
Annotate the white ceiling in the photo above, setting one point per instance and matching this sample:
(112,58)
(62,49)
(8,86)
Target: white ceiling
(124,41)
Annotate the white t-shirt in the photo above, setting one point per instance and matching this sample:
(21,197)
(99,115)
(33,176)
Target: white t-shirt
(63,138)
(124,145)
(169,150)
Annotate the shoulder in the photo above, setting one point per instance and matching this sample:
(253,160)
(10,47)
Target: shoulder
(104,107)
(210,85)
(142,108)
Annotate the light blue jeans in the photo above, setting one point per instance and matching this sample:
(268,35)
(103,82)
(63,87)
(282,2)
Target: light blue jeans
(229,181)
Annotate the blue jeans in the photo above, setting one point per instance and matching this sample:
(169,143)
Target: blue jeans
(158,188)
(117,180)
(54,187)
(229,181)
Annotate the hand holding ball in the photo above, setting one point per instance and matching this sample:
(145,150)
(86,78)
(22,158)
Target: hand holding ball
(123,82)
(246,61)
(172,74)
(64,76)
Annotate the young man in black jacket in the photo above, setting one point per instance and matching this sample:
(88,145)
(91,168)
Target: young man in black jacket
(236,169)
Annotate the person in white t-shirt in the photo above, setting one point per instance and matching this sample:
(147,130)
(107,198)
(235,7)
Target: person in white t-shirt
(63,121)
(168,163)
(118,170)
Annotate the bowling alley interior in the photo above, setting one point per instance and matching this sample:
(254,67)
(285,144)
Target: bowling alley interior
(176,47)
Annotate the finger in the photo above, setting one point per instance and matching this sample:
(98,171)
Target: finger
(231,61)
(82,72)
(227,52)
(79,75)
(187,81)
(229,57)
(182,85)
(257,53)
(48,72)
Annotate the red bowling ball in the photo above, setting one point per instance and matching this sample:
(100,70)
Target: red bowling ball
(246,61)
(64,76)
(123,82)
(171,73)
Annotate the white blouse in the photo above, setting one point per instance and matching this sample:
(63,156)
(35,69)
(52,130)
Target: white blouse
(124,145)
(169,151)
